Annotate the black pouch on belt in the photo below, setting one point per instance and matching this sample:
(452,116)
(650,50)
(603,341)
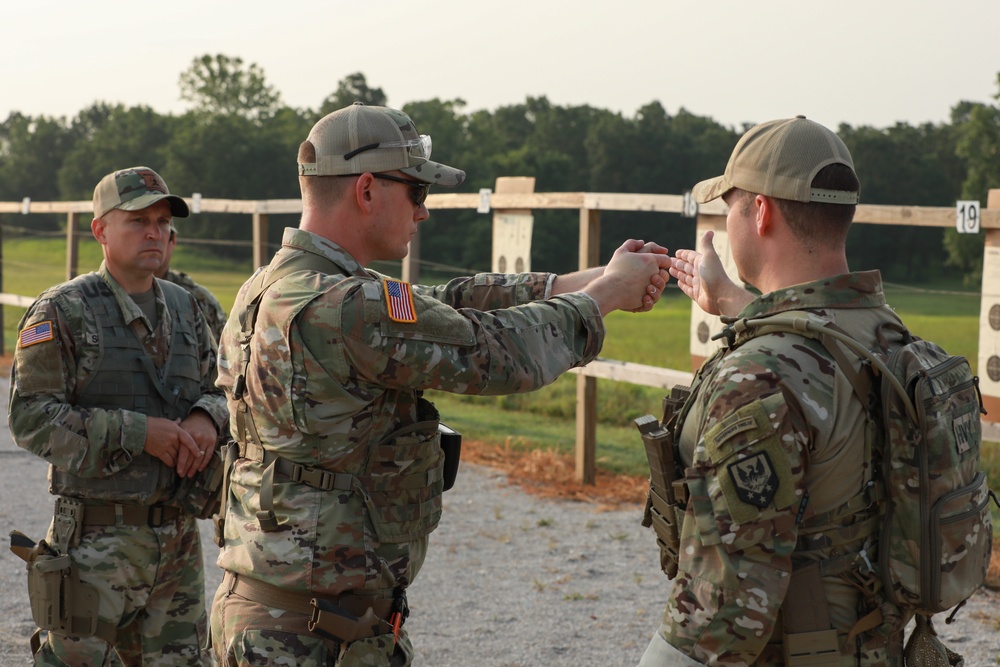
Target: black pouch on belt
(451,445)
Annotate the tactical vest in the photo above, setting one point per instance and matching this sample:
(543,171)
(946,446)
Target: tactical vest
(125,378)
(402,482)
(840,542)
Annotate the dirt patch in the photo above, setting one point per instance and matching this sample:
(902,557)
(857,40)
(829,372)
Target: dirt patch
(550,474)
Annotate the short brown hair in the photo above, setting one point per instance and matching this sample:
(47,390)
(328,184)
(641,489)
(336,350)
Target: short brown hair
(319,190)
(820,221)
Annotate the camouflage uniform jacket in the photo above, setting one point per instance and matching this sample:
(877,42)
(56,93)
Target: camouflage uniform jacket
(213,311)
(772,431)
(47,377)
(331,375)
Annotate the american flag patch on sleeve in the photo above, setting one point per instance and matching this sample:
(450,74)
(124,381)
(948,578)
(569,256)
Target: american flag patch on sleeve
(38,333)
(400,299)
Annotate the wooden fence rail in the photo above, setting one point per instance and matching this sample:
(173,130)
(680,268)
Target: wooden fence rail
(589,205)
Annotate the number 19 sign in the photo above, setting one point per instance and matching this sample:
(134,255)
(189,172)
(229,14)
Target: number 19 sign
(967,217)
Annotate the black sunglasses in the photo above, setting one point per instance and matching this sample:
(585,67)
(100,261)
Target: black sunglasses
(420,189)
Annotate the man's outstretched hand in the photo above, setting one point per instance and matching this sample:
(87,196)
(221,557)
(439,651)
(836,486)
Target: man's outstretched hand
(700,275)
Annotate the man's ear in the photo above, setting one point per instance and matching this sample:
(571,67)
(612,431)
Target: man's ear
(363,191)
(765,214)
(97,226)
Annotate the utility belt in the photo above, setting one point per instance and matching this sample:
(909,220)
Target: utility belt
(114,514)
(407,504)
(72,515)
(343,618)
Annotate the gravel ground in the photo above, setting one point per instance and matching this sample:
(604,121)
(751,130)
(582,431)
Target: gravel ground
(511,580)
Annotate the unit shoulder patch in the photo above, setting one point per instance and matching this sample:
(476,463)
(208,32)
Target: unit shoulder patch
(754,479)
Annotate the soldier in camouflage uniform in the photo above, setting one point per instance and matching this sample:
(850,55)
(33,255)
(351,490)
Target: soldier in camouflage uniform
(113,384)
(215,314)
(776,448)
(336,477)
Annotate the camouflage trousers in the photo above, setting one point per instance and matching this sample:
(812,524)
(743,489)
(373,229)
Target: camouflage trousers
(151,585)
(246,634)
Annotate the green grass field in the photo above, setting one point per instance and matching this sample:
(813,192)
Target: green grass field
(544,419)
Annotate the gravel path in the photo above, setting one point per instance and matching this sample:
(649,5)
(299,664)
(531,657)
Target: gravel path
(511,580)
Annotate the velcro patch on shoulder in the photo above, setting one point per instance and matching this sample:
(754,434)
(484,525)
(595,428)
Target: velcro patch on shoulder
(751,466)
(35,334)
(754,479)
(399,298)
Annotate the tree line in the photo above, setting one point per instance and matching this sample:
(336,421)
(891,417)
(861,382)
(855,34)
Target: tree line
(239,141)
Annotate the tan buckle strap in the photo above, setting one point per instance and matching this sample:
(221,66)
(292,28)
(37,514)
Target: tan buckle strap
(355,604)
(867,622)
(317,478)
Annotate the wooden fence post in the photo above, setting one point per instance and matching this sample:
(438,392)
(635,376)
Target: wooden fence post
(72,244)
(410,270)
(586,387)
(260,257)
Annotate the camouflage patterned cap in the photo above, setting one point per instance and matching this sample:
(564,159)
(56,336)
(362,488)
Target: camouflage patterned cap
(133,189)
(779,159)
(359,139)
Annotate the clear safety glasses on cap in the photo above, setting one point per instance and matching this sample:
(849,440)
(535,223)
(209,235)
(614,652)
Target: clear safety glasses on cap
(418,148)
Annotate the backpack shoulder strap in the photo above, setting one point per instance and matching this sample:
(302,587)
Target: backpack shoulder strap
(830,336)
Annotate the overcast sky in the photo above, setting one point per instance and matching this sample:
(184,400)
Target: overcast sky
(861,62)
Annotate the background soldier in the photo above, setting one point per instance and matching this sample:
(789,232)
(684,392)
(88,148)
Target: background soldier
(775,446)
(339,476)
(113,385)
(215,314)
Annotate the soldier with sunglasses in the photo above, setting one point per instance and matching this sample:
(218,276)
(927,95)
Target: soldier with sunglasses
(336,473)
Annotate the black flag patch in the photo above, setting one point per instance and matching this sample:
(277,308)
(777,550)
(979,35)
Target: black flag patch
(754,479)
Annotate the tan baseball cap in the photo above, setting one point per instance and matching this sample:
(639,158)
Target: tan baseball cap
(780,158)
(360,138)
(134,189)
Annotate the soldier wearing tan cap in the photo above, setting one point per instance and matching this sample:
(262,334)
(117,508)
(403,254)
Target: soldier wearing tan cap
(337,478)
(113,386)
(777,523)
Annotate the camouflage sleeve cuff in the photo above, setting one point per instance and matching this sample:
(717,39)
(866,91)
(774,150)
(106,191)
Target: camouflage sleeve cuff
(216,408)
(593,323)
(548,286)
(133,440)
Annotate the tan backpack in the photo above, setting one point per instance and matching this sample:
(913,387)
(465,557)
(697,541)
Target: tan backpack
(935,528)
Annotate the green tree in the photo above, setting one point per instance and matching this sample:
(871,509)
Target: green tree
(31,152)
(352,88)
(978,129)
(904,165)
(221,84)
(109,137)
(231,157)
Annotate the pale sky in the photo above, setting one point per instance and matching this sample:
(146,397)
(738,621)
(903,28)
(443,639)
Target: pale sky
(861,62)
